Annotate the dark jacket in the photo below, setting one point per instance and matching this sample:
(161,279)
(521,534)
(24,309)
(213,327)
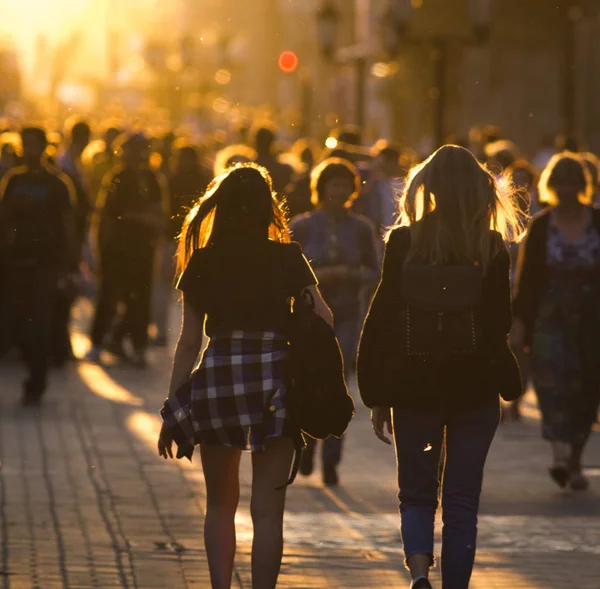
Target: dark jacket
(532,270)
(387,378)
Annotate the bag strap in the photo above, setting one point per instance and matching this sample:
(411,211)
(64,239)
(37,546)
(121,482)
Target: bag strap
(299,446)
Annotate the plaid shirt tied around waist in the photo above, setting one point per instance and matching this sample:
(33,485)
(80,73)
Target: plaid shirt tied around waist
(236,397)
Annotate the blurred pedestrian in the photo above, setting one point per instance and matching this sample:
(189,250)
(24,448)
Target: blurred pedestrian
(231,155)
(99,158)
(131,217)
(239,274)
(77,137)
(298,199)
(263,138)
(342,248)
(558,316)
(379,200)
(501,155)
(187,181)
(434,352)
(38,236)
(9,152)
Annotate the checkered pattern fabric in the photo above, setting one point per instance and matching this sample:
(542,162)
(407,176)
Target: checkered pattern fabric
(237,395)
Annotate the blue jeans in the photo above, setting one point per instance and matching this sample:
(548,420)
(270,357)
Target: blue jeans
(419,441)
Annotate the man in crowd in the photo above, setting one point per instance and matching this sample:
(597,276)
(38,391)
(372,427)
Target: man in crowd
(77,137)
(37,238)
(263,140)
(131,216)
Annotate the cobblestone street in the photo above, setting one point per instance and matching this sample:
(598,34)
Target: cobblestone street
(86,502)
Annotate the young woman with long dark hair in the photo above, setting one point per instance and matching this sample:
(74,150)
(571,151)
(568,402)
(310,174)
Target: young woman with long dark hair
(434,355)
(238,274)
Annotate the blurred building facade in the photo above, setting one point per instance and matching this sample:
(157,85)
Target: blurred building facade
(533,74)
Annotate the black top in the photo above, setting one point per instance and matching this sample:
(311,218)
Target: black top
(532,270)
(246,286)
(36,208)
(386,378)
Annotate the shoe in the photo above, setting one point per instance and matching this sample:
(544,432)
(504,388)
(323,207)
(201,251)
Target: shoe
(560,475)
(92,355)
(421,584)
(307,463)
(31,400)
(32,393)
(330,476)
(578,482)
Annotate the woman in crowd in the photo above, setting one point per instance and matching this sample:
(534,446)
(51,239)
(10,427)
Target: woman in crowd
(342,249)
(557,312)
(238,274)
(434,352)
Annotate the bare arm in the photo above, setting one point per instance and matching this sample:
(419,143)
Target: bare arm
(188,346)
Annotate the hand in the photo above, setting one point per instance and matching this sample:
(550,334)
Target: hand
(165,443)
(380,417)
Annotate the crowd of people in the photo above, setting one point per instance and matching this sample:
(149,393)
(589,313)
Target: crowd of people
(100,214)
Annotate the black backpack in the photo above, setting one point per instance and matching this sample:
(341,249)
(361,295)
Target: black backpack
(440,314)
(319,403)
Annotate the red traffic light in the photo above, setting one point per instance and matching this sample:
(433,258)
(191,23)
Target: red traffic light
(288,62)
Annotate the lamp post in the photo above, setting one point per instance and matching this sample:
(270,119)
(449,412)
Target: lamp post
(328,20)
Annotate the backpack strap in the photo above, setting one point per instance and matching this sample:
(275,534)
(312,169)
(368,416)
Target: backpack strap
(299,445)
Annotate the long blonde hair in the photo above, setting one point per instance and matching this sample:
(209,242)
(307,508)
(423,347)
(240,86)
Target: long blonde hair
(451,202)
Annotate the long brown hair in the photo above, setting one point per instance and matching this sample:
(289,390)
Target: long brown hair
(451,202)
(239,205)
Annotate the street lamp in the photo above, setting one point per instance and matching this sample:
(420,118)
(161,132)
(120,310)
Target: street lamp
(328,19)
(396,24)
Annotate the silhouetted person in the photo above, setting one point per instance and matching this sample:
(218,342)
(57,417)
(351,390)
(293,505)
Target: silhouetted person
(298,199)
(434,351)
(558,315)
(238,276)
(77,137)
(102,161)
(263,140)
(9,157)
(37,228)
(379,200)
(187,182)
(131,217)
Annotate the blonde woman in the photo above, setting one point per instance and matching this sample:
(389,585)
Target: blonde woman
(434,355)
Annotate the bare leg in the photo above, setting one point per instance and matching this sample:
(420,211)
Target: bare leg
(270,469)
(221,473)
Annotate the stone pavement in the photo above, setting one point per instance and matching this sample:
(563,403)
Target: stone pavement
(85,502)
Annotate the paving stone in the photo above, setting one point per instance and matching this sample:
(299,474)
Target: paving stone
(85,502)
